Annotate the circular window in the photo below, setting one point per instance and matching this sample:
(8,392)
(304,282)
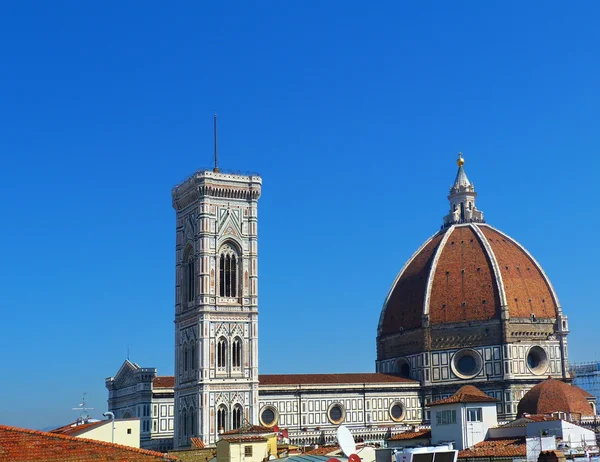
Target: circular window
(397,411)
(537,360)
(336,413)
(268,416)
(402,368)
(466,363)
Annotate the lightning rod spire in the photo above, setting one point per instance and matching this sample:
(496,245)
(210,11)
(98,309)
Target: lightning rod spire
(216,169)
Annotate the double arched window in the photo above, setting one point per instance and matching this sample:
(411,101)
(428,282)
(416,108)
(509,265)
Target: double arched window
(236,353)
(228,271)
(222,353)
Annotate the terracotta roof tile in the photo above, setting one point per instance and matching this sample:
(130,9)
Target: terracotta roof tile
(500,447)
(20,445)
(527,290)
(317,379)
(466,394)
(412,435)
(464,287)
(163,381)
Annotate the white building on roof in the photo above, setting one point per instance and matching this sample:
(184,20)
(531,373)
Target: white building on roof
(464,418)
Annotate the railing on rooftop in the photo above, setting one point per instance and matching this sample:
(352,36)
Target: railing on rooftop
(223,171)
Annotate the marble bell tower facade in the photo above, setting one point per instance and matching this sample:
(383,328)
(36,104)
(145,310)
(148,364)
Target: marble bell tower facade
(216,304)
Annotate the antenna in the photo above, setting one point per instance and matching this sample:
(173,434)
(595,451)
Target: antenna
(216,169)
(82,408)
(346,440)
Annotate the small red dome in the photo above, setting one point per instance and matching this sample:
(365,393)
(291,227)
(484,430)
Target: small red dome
(552,396)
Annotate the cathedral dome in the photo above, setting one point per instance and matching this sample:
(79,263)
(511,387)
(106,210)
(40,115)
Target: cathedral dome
(468,271)
(551,396)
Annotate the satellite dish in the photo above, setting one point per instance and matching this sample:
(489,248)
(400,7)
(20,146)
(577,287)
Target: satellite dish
(353,458)
(346,440)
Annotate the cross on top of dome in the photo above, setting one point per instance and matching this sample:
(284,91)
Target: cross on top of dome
(462,199)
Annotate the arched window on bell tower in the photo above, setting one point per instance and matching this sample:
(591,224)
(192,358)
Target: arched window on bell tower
(189,275)
(228,271)
(222,418)
(236,354)
(222,354)
(237,417)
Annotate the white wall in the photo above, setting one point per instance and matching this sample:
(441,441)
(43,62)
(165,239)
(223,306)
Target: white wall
(449,432)
(127,432)
(570,433)
(464,434)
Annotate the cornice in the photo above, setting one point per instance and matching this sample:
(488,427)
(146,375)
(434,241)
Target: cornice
(217,185)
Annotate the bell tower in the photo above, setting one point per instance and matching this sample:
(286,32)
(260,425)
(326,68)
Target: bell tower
(216,304)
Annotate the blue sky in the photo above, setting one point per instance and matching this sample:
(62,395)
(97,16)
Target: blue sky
(352,113)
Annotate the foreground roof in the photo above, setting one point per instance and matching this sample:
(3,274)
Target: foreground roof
(317,379)
(73,429)
(466,394)
(20,445)
(251,429)
(412,435)
(163,381)
(500,447)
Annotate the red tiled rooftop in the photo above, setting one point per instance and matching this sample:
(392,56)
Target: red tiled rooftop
(412,435)
(73,429)
(318,379)
(249,430)
(243,438)
(466,394)
(197,443)
(501,447)
(323,450)
(23,445)
(163,381)
(315,379)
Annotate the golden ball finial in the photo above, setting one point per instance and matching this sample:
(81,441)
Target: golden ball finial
(460,161)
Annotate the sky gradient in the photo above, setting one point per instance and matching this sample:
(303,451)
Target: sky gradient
(352,114)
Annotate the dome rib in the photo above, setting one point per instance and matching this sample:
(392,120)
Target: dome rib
(519,284)
(495,266)
(410,294)
(430,277)
(463,287)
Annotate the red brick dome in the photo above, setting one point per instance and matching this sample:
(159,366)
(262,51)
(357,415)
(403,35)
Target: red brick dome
(552,396)
(467,272)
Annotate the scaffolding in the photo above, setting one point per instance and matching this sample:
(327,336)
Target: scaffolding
(587,376)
